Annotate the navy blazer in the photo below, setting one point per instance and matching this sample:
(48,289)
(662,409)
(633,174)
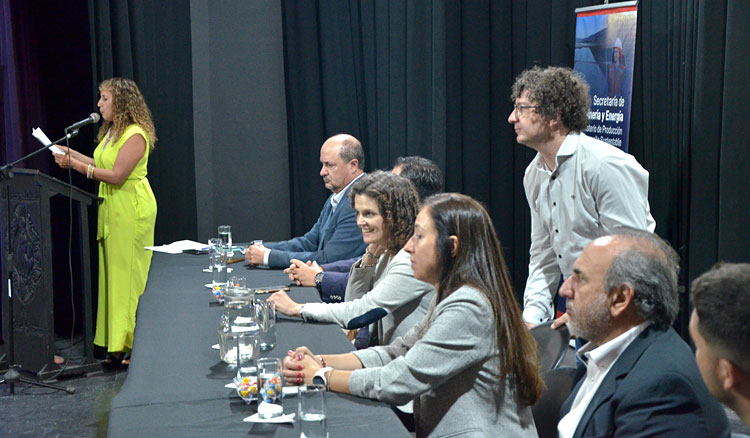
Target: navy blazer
(331,238)
(654,389)
(335,278)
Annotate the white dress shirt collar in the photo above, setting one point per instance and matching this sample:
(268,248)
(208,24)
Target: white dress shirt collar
(606,354)
(566,150)
(336,198)
(598,361)
(569,145)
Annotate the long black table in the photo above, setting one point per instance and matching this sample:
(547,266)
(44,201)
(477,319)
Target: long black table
(175,383)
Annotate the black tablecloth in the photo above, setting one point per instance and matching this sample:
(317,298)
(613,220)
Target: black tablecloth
(175,384)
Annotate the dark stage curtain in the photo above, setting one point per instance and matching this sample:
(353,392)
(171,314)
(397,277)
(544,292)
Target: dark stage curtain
(33,60)
(718,157)
(20,77)
(149,42)
(45,77)
(687,129)
(660,123)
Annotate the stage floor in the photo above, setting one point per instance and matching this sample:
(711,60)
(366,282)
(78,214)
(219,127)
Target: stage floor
(41,412)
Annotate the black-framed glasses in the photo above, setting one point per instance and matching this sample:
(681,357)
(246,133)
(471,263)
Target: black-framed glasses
(519,109)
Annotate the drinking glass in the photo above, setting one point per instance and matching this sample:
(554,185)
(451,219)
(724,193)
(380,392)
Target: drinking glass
(237,282)
(266,314)
(270,384)
(212,244)
(311,404)
(247,357)
(219,268)
(225,234)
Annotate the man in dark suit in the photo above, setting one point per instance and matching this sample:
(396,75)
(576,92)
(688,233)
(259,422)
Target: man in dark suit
(720,330)
(637,377)
(335,236)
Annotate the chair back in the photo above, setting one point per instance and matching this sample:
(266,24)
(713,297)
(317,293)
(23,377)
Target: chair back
(551,345)
(557,386)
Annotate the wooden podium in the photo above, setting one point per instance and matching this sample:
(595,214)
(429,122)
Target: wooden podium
(25,198)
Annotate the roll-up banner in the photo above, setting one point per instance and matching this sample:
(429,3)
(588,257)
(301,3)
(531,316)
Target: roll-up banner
(605,45)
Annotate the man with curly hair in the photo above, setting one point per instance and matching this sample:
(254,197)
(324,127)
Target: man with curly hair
(578,188)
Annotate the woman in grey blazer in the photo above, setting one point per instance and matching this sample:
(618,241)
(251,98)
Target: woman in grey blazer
(470,366)
(382,291)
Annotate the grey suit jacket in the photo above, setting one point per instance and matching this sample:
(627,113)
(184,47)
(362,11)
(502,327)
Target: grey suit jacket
(448,365)
(335,236)
(387,295)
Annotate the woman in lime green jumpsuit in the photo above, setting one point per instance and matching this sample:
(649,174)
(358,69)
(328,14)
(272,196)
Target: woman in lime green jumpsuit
(128,213)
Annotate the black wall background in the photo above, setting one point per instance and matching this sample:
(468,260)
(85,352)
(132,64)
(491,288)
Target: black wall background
(429,78)
(239,117)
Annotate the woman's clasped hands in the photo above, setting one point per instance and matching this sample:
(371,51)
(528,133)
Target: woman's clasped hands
(300,366)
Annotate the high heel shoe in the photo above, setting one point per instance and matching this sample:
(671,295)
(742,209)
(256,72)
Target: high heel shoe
(113,360)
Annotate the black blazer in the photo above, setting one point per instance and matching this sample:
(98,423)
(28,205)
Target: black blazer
(654,389)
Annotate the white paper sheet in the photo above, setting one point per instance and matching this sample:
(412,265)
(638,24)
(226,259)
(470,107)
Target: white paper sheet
(178,247)
(42,137)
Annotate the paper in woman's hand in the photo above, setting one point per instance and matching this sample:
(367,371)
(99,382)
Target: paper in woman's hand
(42,137)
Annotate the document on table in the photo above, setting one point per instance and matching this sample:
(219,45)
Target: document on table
(178,247)
(42,137)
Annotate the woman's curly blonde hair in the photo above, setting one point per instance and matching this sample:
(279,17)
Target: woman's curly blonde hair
(129,108)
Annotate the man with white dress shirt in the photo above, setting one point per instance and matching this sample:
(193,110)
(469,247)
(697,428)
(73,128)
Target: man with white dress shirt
(578,188)
(637,377)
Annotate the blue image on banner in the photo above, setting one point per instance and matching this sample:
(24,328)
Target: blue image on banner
(604,55)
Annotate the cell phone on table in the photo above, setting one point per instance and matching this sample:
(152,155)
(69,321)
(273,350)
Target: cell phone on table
(195,251)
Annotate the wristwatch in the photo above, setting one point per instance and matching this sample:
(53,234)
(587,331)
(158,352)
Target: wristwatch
(319,279)
(320,377)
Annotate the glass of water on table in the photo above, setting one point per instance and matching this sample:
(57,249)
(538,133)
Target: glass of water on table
(213,243)
(312,411)
(219,269)
(270,384)
(225,234)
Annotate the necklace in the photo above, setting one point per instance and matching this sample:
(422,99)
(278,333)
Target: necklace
(107,138)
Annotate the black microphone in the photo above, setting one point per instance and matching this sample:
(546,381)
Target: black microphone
(92,118)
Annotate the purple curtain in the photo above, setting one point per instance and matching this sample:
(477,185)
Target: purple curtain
(9,100)
(45,81)
(19,76)
(19,91)
(10,147)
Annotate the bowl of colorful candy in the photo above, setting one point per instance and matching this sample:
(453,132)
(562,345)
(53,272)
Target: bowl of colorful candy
(218,289)
(247,388)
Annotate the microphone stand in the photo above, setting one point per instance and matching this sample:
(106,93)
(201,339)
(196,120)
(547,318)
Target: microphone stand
(7,169)
(12,376)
